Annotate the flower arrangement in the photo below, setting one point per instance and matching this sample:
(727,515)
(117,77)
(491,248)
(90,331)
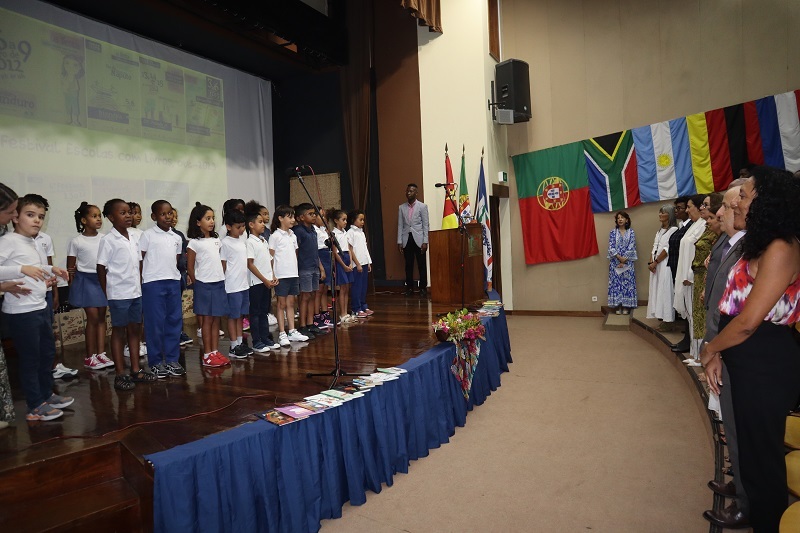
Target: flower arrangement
(458,326)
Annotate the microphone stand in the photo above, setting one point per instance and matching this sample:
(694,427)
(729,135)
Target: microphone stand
(337,371)
(462,230)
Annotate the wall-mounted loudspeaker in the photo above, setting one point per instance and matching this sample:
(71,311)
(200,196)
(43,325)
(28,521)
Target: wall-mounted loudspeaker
(513,91)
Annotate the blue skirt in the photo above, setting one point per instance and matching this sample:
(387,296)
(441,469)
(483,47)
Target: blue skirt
(325,259)
(85,291)
(210,299)
(342,276)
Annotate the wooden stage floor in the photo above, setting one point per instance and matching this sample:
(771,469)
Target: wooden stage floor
(398,331)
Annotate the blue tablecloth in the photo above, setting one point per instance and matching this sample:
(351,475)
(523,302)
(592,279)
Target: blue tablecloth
(261,477)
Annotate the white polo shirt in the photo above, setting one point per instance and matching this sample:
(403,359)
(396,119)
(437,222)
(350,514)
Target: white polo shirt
(207,263)
(258,251)
(283,246)
(121,258)
(234,253)
(161,250)
(84,250)
(322,236)
(18,251)
(358,240)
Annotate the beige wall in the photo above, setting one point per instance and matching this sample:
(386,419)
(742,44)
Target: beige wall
(455,71)
(600,66)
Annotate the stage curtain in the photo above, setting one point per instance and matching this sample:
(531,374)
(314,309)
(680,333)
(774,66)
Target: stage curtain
(260,477)
(355,89)
(429,12)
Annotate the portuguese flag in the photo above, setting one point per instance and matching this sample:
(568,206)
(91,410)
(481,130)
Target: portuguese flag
(555,205)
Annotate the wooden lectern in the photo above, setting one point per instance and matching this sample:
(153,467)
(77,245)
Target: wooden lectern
(446,271)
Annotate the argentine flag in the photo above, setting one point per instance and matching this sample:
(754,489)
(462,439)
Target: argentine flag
(664,160)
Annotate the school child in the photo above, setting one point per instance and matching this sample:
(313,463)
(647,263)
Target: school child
(204,271)
(345,264)
(261,279)
(308,265)
(234,263)
(84,285)
(28,318)
(358,245)
(185,339)
(44,243)
(283,247)
(322,318)
(231,204)
(118,268)
(161,292)
(136,233)
(272,319)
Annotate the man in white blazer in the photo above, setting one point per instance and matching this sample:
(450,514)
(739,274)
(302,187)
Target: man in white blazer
(412,238)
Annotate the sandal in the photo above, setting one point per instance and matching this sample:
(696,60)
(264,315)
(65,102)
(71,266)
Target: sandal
(124,382)
(143,376)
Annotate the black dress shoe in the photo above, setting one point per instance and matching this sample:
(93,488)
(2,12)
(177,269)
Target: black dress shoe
(723,489)
(680,347)
(423,293)
(729,518)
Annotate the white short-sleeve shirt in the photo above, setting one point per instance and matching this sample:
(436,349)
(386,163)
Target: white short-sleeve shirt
(121,257)
(283,245)
(322,236)
(358,240)
(258,251)
(84,250)
(234,253)
(17,251)
(161,250)
(207,264)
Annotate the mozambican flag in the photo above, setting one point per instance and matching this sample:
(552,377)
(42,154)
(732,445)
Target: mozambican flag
(554,203)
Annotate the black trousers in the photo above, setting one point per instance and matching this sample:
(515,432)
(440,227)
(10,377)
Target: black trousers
(765,382)
(412,251)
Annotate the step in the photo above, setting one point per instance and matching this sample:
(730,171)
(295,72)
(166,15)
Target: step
(108,506)
(617,322)
(45,477)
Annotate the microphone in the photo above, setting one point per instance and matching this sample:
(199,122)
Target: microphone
(292,172)
(445,185)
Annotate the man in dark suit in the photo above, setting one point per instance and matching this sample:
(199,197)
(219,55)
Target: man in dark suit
(726,251)
(412,238)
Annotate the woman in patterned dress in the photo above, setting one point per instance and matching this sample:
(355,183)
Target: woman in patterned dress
(621,274)
(702,247)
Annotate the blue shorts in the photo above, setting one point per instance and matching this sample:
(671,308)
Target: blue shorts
(210,299)
(85,291)
(238,304)
(309,280)
(325,259)
(287,287)
(124,312)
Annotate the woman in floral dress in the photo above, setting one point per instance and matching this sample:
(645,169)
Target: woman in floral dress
(621,274)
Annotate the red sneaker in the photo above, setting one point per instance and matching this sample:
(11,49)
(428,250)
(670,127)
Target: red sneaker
(223,360)
(211,360)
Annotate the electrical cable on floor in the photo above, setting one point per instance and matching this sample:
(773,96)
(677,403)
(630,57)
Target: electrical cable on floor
(137,424)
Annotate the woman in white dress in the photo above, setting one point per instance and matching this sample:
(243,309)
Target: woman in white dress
(659,303)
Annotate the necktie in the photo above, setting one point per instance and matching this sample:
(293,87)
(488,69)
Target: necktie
(726,249)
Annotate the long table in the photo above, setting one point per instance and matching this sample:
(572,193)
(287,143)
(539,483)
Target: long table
(262,477)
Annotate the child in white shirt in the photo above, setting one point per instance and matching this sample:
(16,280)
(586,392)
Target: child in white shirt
(261,279)
(234,263)
(27,316)
(283,247)
(358,245)
(161,292)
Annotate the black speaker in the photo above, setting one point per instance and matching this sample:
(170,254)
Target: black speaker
(513,88)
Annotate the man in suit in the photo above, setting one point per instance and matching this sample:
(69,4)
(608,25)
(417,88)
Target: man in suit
(412,239)
(726,251)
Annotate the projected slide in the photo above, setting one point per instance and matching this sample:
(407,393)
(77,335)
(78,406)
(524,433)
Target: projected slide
(83,119)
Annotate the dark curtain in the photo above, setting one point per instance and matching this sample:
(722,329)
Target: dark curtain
(356,97)
(428,12)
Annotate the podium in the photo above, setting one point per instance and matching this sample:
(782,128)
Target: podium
(446,271)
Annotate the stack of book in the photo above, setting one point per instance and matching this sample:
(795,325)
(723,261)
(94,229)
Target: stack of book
(490,308)
(327,399)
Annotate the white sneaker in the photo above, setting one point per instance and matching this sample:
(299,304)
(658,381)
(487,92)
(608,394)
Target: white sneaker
(272,319)
(142,349)
(103,358)
(221,333)
(273,346)
(296,336)
(126,352)
(283,339)
(60,371)
(199,333)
